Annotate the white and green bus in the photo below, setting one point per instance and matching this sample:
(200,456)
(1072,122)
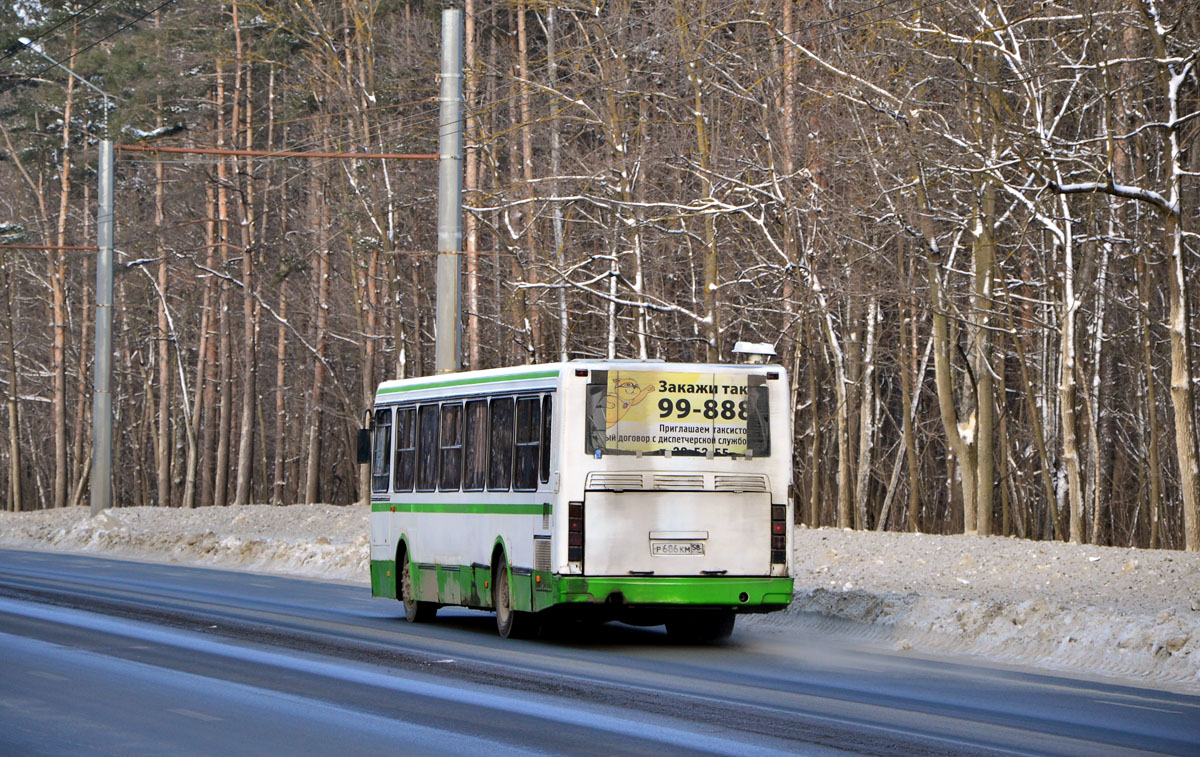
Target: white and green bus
(640,491)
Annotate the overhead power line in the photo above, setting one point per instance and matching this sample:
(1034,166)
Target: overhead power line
(54,28)
(72,247)
(278,153)
(85,48)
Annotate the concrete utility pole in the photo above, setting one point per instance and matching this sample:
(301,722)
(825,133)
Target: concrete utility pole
(448,326)
(102,401)
(102,485)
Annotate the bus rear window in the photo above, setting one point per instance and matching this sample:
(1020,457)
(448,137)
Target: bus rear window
(658,412)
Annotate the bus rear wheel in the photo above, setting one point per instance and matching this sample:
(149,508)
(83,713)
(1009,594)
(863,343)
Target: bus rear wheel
(512,624)
(701,626)
(415,611)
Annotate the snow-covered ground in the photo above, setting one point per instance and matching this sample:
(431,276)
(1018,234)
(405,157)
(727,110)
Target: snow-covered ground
(1129,613)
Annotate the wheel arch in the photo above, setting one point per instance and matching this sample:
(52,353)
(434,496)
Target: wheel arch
(402,557)
(499,550)
(402,549)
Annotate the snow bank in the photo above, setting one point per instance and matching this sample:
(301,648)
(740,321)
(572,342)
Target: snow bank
(1091,610)
(318,541)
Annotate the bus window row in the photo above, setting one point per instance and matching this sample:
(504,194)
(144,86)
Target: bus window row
(496,444)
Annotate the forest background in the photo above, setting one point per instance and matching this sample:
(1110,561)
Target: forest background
(968,227)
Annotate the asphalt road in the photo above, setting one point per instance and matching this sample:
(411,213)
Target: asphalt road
(103,656)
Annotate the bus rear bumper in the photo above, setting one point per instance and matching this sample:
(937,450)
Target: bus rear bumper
(741,594)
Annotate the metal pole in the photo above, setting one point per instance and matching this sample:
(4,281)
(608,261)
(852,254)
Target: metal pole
(102,402)
(448,352)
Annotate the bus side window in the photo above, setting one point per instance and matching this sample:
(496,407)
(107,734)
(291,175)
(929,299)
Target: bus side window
(381,457)
(427,447)
(406,451)
(475,446)
(547,416)
(529,429)
(452,448)
(501,449)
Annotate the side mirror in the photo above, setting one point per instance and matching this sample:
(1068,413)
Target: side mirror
(364,446)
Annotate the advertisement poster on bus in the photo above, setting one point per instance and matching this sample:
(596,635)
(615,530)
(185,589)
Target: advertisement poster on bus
(681,413)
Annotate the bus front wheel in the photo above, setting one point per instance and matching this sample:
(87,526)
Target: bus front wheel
(702,626)
(512,624)
(415,611)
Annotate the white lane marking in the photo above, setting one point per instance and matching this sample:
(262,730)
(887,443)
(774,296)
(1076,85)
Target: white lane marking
(48,676)
(194,714)
(1139,706)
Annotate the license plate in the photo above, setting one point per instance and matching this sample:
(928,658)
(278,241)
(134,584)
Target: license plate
(667,548)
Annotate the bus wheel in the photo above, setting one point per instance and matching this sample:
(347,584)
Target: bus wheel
(699,627)
(415,611)
(512,624)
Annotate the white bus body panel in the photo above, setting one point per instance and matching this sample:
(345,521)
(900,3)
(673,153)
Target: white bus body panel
(726,533)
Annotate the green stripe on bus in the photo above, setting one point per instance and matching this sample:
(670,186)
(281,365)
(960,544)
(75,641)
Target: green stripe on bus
(449,507)
(469,585)
(469,381)
(762,593)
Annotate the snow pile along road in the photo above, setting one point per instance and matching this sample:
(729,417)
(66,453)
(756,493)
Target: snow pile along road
(1132,613)
(318,541)
(1092,610)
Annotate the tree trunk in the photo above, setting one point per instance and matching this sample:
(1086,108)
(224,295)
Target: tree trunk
(1153,471)
(15,502)
(206,384)
(866,415)
(249,356)
(225,414)
(533,312)
(908,363)
(58,279)
(556,211)
(1066,385)
(1182,393)
(312,488)
(471,183)
(814,459)
(224,317)
(985,256)
(1097,418)
(81,448)
(959,436)
(278,490)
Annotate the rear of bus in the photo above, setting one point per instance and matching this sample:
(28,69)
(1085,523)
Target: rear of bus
(673,493)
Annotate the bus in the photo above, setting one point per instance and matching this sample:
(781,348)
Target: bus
(647,492)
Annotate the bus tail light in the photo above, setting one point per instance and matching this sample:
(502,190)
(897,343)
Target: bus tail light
(575,532)
(778,534)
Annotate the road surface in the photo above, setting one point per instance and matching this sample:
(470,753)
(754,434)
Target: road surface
(101,656)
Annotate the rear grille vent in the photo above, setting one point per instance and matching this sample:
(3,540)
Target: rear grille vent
(722,482)
(614,481)
(679,481)
(740,483)
(541,555)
